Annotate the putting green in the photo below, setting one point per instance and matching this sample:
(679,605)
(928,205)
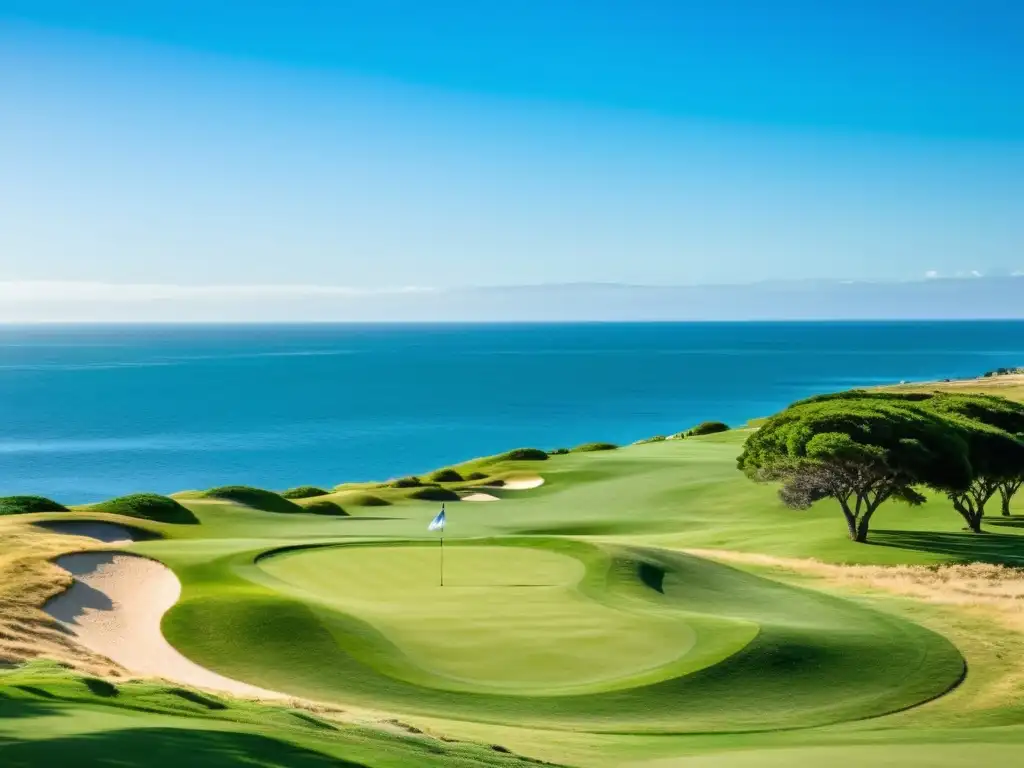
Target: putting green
(606,638)
(509,619)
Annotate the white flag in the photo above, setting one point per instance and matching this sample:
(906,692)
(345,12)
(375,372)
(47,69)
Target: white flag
(437,524)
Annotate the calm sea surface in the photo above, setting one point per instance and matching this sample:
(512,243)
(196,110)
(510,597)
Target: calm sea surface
(91,412)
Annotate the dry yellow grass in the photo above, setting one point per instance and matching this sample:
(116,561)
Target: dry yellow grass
(28,579)
(983,616)
(1010,386)
(976,584)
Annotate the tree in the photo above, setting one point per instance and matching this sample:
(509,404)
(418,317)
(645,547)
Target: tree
(1007,489)
(861,452)
(995,448)
(996,457)
(997,465)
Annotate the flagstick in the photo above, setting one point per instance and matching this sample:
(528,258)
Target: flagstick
(442,561)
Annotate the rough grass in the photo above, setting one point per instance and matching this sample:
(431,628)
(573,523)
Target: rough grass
(591,447)
(27,580)
(1010,386)
(22,505)
(303,492)
(520,454)
(447,475)
(147,506)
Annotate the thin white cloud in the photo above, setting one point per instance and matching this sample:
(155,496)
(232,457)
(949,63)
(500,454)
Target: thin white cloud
(24,291)
(931,274)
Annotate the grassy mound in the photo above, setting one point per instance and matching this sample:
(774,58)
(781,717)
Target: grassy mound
(361,499)
(147,506)
(403,482)
(591,447)
(256,498)
(447,475)
(522,454)
(23,505)
(304,492)
(707,428)
(433,493)
(324,507)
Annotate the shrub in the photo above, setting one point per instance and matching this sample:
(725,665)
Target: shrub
(476,476)
(590,447)
(22,505)
(445,476)
(325,507)
(523,454)
(403,482)
(707,428)
(147,506)
(434,493)
(303,492)
(558,452)
(257,498)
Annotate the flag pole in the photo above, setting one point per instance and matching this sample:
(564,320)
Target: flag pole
(442,560)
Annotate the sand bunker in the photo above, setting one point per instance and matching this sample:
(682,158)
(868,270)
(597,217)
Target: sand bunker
(478,496)
(522,483)
(109,533)
(114,608)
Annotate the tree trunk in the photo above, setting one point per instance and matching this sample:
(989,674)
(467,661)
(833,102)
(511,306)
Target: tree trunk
(851,525)
(970,515)
(864,522)
(1006,492)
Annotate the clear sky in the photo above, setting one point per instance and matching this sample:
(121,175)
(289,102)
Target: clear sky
(370,144)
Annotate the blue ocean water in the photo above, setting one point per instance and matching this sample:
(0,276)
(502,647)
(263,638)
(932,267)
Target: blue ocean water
(91,412)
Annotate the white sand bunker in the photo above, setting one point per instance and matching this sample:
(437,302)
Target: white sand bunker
(109,533)
(114,608)
(522,483)
(479,496)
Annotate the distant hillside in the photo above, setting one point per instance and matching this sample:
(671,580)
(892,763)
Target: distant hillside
(946,298)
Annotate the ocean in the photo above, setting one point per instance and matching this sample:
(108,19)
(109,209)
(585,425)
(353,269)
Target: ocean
(90,412)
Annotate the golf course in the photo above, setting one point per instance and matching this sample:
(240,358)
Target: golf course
(642,605)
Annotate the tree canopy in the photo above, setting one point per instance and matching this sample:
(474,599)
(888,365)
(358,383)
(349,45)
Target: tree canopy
(860,451)
(863,448)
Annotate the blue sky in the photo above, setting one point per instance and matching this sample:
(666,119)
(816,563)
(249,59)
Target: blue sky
(368,145)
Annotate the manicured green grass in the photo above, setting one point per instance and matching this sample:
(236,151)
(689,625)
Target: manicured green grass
(571,626)
(49,716)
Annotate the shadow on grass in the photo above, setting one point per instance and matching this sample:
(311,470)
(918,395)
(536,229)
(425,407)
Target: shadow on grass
(1005,522)
(166,747)
(996,548)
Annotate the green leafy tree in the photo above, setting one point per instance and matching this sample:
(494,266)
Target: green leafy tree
(861,452)
(1007,490)
(996,462)
(996,458)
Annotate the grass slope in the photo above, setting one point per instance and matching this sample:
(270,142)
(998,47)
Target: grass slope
(572,626)
(649,624)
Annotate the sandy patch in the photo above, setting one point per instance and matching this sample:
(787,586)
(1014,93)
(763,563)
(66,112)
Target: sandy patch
(108,533)
(522,483)
(114,608)
(477,496)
